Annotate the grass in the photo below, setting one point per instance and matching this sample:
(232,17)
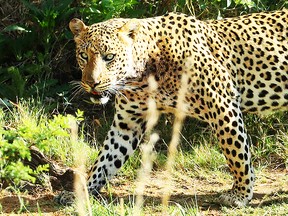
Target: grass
(200,173)
(269,139)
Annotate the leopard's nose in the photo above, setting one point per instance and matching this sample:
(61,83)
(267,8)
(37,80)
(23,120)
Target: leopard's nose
(93,84)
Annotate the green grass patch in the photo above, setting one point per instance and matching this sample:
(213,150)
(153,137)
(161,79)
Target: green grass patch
(269,138)
(25,126)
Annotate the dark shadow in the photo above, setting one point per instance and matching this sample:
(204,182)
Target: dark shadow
(270,199)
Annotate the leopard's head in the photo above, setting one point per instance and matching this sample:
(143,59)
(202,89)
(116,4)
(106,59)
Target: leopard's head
(104,52)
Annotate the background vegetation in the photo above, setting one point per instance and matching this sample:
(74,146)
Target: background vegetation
(37,63)
(37,51)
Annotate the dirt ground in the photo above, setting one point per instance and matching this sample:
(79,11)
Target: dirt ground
(271,187)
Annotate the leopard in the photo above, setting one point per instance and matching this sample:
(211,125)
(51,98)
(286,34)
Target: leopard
(232,66)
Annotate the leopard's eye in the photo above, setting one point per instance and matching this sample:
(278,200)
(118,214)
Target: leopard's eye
(84,56)
(109,57)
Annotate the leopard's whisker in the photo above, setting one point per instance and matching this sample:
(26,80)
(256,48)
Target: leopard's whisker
(77,90)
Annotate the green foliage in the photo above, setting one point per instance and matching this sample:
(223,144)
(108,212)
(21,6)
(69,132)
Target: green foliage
(24,127)
(17,83)
(96,11)
(207,9)
(37,56)
(268,135)
(46,16)
(12,150)
(30,49)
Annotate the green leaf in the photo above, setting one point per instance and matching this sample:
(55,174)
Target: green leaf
(15,28)
(31,7)
(17,80)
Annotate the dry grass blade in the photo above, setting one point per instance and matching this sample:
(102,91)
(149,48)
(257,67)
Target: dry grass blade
(148,155)
(172,150)
(81,193)
(80,187)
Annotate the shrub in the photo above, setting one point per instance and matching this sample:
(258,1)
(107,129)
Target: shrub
(32,49)
(24,127)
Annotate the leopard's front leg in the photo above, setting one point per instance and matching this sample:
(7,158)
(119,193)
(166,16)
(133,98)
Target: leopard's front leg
(123,138)
(234,143)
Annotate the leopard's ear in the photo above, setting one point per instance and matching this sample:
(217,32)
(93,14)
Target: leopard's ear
(76,26)
(130,28)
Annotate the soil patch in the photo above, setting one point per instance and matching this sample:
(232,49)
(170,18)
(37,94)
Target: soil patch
(271,187)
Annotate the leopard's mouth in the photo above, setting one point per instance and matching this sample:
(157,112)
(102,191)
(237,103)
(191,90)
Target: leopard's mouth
(100,100)
(96,93)
(99,97)
(103,91)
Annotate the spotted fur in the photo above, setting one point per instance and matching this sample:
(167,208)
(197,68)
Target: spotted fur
(233,65)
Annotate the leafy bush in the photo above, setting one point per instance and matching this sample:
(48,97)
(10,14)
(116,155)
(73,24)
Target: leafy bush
(207,9)
(37,50)
(33,49)
(96,11)
(22,128)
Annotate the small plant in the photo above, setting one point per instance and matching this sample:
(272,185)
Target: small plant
(24,127)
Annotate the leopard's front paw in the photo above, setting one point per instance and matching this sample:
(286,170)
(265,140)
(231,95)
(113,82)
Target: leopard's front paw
(65,198)
(233,199)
